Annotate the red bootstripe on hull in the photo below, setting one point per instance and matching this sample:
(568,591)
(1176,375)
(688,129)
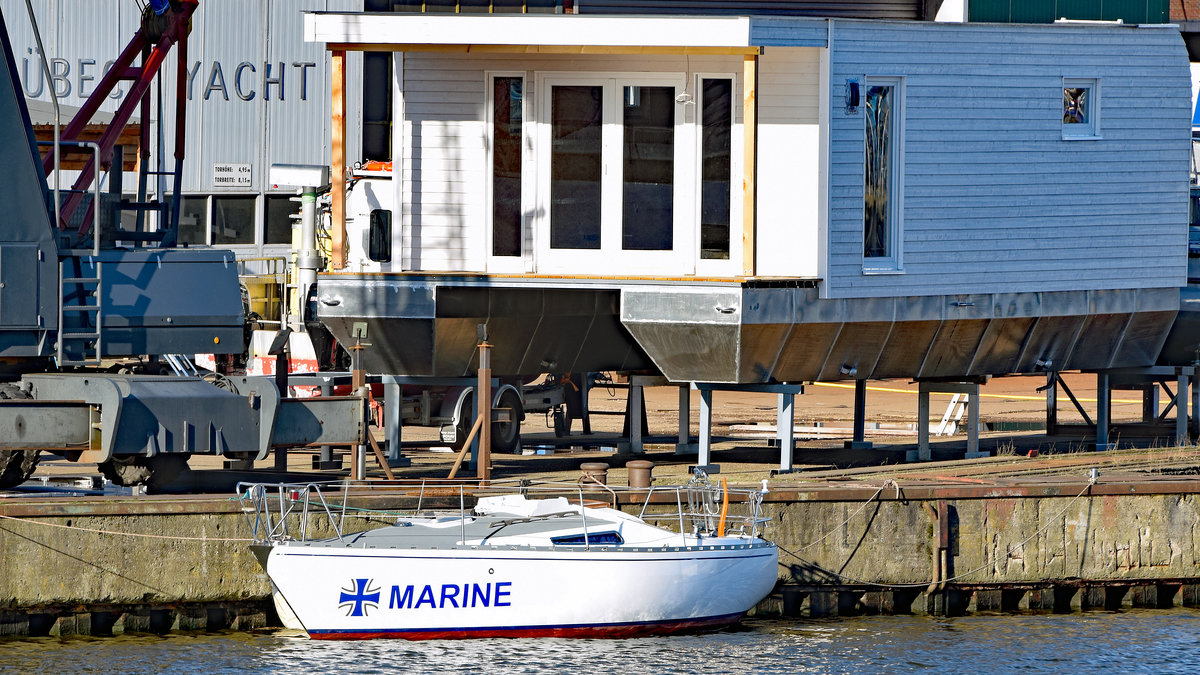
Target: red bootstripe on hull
(623,630)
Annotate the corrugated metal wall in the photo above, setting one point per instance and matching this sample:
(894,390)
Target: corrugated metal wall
(238,112)
(1048,11)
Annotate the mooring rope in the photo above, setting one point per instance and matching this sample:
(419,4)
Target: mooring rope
(125,534)
(839,525)
(956,577)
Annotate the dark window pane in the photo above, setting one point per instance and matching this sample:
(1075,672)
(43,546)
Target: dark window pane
(278,226)
(379,246)
(575,166)
(507,114)
(233,220)
(717,149)
(1075,105)
(377,106)
(648,169)
(193,219)
(877,225)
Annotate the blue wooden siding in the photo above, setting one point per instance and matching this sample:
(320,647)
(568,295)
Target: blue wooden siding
(784,32)
(994,199)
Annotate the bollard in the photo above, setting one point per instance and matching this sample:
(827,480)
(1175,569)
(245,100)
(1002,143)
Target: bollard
(639,473)
(596,472)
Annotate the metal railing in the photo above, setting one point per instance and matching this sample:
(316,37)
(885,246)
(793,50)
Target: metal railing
(283,512)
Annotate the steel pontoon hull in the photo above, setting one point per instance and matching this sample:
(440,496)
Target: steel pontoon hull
(746,332)
(338,592)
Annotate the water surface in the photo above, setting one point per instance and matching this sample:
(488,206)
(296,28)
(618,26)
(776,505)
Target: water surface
(1134,641)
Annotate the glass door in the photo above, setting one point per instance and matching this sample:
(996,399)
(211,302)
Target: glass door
(615,176)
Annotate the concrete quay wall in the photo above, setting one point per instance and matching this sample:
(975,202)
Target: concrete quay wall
(844,550)
(1063,531)
(104,565)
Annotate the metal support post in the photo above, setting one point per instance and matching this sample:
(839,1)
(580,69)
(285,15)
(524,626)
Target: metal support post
(1103,400)
(585,389)
(1150,403)
(358,384)
(923,453)
(859,441)
(973,426)
(1051,403)
(1181,408)
(1195,410)
(636,405)
(473,463)
(484,404)
(359,468)
(705,448)
(785,421)
(308,261)
(684,444)
(393,422)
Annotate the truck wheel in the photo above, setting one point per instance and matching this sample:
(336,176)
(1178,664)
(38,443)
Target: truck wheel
(16,466)
(153,472)
(465,422)
(506,436)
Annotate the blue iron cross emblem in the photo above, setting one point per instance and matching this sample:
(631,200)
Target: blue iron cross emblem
(359,597)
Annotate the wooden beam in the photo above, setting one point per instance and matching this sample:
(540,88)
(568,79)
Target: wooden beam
(538,49)
(337,204)
(750,156)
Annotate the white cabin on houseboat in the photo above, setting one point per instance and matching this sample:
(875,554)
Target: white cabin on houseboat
(758,199)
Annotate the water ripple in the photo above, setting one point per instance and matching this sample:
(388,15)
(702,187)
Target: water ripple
(1134,641)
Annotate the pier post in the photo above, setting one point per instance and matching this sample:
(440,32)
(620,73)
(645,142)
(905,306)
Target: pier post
(859,442)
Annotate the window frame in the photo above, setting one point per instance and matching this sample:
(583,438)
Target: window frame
(1090,130)
(517,263)
(893,263)
(731,266)
(611,258)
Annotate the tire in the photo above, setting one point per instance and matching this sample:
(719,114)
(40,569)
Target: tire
(16,466)
(506,436)
(154,472)
(465,422)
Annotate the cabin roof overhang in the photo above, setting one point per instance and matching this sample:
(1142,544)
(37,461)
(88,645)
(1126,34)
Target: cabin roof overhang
(525,33)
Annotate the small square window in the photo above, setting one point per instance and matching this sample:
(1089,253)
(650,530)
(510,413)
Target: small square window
(1080,108)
